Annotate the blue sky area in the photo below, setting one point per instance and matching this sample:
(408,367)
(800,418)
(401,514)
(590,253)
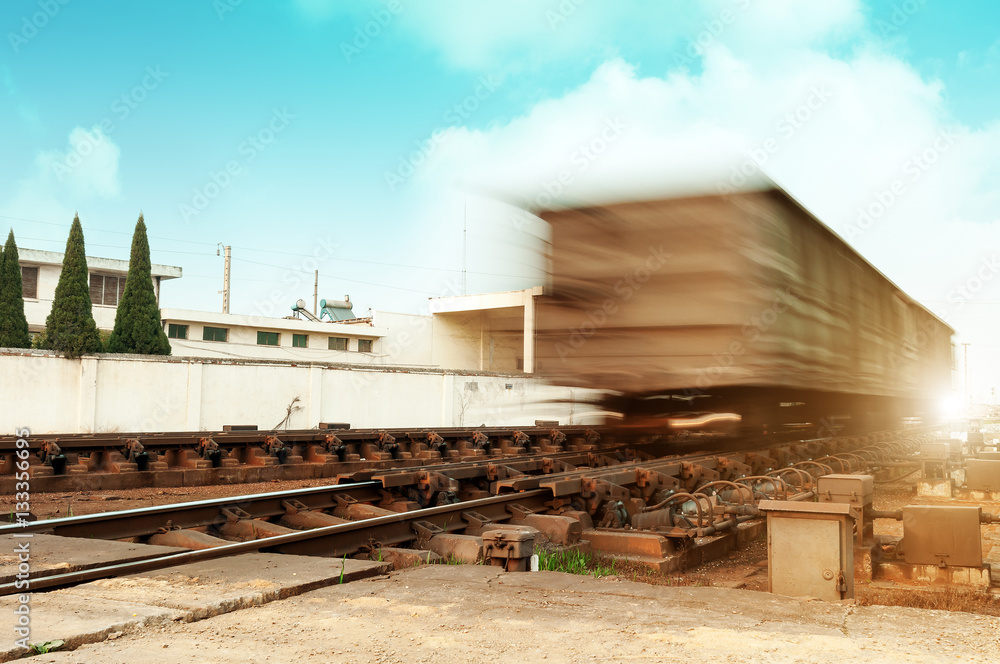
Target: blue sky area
(360,138)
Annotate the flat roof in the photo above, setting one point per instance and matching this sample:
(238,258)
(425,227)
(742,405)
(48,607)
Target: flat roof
(359,329)
(501,300)
(95,263)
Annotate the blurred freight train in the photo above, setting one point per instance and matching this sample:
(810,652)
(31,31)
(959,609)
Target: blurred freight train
(733,312)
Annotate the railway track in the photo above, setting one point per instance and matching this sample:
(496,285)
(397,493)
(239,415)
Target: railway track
(68,462)
(673,503)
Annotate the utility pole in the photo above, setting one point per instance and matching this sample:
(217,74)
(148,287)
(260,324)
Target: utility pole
(316,291)
(225,275)
(968,394)
(465,246)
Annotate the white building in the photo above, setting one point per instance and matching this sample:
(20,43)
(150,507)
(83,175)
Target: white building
(490,332)
(40,274)
(486,332)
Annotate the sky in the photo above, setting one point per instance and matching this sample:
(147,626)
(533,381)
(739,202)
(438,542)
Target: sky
(391,145)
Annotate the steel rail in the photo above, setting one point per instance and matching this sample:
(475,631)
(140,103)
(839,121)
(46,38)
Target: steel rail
(339,540)
(148,520)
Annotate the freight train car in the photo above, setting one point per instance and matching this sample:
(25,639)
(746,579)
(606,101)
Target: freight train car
(739,306)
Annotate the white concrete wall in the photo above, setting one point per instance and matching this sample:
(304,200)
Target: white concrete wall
(408,340)
(50,394)
(469,340)
(458,339)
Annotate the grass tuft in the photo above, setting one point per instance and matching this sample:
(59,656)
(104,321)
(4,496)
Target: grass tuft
(574,561)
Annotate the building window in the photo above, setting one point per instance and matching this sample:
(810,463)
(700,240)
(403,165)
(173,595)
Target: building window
(300,340)
(337,343)
(365,345)
(215,334)
(267,338)
(175,331)
(29,282)
(106,289)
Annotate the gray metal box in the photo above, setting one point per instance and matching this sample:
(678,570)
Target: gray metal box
(855,490)
(810,549)
(942,535)
(982,475)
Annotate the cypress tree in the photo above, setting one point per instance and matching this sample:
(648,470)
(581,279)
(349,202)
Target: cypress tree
(70,327)
(137,321)
(13,324)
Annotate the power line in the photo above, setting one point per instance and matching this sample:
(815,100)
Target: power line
(357,281)
(268,251)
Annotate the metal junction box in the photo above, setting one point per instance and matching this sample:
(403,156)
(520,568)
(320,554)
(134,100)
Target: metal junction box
(938,450)
(942,535)
(982,475)
(810,549)
(855,490)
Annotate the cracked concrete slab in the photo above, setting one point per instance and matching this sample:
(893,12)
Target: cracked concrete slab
(93,611)
(52,554)
(459,614)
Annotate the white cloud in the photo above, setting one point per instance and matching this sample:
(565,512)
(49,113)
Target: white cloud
(88,166)
(65,180)
(518,34)
(839,133)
